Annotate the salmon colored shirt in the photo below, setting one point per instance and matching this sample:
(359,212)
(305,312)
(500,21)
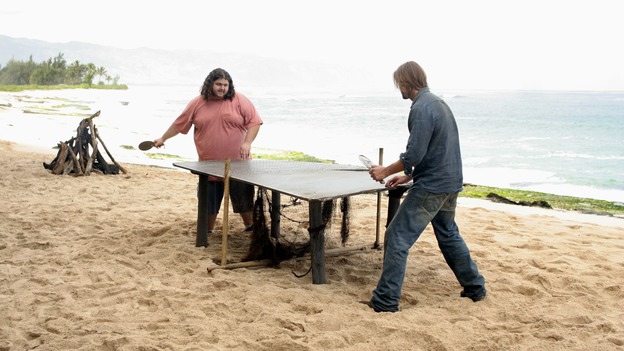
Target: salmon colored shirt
(220,125)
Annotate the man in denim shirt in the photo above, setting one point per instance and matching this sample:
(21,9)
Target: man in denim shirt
(432,159)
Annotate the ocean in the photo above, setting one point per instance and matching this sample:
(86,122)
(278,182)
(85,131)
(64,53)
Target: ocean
(560,142)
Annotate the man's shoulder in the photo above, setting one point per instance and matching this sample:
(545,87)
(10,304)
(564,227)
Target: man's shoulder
(429,96)
(424,99)
(197,99)
(427,99)
(240,97)
(242,100)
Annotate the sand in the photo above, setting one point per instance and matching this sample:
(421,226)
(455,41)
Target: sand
(108,262)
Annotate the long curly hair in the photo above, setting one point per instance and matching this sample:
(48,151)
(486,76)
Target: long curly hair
(217,73)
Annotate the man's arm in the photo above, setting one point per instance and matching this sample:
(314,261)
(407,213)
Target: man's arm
(245,149)
(170,133)
(380,172)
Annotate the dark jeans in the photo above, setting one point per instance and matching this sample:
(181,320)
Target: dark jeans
(418,209)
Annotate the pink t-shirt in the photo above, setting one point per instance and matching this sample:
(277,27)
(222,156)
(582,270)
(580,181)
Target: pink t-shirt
(220,125)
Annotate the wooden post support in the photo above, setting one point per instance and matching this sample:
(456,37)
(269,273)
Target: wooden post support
(202,215)
(317,242)
(275,213)
(226,210)
(378,225)
(394,201)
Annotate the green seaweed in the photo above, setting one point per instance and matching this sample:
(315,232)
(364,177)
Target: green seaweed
(568,203)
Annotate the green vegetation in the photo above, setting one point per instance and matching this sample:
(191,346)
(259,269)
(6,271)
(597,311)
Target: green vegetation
(161,156)
(55,73)
(76,106)
(20,88)
(266,155)
(288,156)
(560,202)
(53,106)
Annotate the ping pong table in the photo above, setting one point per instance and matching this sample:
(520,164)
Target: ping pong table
(310,181)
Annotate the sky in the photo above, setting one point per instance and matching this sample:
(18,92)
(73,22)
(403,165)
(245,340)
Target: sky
(477,44)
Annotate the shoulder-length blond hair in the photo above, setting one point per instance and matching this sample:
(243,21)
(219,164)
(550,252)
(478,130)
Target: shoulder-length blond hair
(410,75)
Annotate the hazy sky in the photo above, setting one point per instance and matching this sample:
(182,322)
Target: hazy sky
(528,44)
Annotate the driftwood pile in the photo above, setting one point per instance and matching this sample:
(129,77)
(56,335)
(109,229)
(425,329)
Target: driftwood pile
(81,154)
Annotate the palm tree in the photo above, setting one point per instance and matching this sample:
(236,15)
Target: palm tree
(90,73)
(101,72)
(74,73)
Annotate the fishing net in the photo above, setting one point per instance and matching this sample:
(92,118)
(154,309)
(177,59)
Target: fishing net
(293,239)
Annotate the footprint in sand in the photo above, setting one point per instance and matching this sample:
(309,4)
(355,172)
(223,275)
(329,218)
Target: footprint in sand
(539,279)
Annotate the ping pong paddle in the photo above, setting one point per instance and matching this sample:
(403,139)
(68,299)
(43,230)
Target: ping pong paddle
(146,145)
(368,164)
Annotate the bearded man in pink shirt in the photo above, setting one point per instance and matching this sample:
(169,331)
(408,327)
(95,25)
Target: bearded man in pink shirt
(226,123)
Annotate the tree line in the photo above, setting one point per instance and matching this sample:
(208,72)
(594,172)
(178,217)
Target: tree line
(53,71)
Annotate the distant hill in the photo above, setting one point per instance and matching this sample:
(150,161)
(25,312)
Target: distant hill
(151,66)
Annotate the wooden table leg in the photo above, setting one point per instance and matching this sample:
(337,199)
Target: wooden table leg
(202,216)
(394,201)
(275,213)
(317,242)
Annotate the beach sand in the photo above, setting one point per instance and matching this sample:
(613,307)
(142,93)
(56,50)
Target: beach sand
(108,262)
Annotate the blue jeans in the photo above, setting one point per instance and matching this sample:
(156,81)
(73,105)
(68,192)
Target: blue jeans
(418,209)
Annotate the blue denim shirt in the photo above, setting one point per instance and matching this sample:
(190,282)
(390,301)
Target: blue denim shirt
(432,156)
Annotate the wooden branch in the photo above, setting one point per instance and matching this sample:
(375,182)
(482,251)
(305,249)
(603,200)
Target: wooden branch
(90,119)
(60,162)
(75,155)
(94,143)
(245,264)
(77,165)
(80,146)
(108,153)
(90,161)
(69,166)
(266,262)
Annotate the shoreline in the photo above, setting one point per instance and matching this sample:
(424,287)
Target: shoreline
(123,127)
